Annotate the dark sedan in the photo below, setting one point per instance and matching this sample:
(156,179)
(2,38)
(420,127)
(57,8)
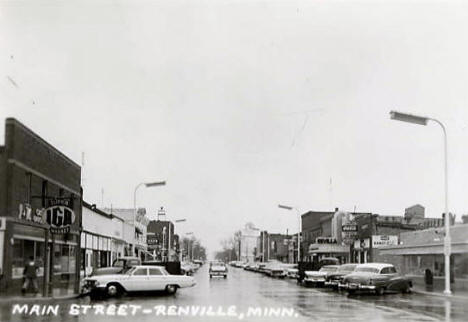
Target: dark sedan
(376,277)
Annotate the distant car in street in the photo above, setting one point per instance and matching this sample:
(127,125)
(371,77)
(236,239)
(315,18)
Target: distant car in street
(333,279)
(137,279)
(378,278)
(218,269)
(319,277)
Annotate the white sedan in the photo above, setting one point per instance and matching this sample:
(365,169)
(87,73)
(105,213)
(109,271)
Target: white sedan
(137,279)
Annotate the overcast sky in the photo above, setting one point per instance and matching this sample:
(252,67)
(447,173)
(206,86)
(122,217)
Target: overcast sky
(241,105)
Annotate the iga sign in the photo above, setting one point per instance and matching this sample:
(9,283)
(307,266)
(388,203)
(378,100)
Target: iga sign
(60,218)
(384,240)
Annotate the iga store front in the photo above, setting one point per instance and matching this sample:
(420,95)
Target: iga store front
(53,250)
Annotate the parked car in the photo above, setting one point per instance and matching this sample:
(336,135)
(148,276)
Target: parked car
(218,269)
(119,266)
(333,279)
(274,269)
(319,277)
(314,266)
(250,267)
(376,277)
(186,269)
(293,273)
(137,279)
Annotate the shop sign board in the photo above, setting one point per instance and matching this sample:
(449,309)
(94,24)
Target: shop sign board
(60,219)
(152,240)
(26,212)
(384,240)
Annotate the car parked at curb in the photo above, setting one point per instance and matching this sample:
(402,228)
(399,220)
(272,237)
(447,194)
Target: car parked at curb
(293,273)
(137,279)
(333,279)
(319,277)
(377,278)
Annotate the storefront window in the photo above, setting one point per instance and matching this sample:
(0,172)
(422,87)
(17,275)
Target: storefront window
(22,251)
(18,259)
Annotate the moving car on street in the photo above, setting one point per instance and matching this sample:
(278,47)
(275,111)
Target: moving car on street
(319,277)
(378,278)
(333,279)
(137,279)
(218,269)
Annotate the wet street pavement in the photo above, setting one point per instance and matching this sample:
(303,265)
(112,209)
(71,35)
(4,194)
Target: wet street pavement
(250,296)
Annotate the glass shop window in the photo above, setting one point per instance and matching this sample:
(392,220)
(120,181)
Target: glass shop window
(17,260)
(72,259)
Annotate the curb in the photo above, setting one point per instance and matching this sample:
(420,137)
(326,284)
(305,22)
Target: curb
(22,299)
(436,294)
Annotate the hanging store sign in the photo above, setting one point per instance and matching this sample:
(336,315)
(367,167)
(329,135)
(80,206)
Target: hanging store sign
(60,219)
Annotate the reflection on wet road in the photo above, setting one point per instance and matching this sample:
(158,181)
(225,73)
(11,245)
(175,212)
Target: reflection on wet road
(255,297)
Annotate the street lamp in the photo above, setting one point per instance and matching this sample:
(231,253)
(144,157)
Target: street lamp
(176,221)
(147,185)
(421,120)
(298,232)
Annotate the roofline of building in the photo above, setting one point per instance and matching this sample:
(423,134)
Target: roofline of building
(100,212)
(11,120)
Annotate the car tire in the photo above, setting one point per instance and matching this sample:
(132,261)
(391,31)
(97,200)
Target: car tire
(380,291)
(114,290)
(211,276)
(225,276)
(171,289)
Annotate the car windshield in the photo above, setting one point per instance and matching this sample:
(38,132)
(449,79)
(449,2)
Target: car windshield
(119,263)
(347,268)
(368,269)
(328,269)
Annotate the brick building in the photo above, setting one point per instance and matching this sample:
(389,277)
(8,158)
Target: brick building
(40,208)
(161,239)
(275,247)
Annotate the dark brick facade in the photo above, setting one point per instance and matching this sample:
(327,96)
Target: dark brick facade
(34,176)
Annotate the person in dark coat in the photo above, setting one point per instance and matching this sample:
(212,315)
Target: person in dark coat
(30,275)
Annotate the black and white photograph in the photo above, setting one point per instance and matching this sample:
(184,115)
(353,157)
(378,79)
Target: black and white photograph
(233,160)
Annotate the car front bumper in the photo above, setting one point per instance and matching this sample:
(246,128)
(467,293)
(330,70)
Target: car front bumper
(356,286)
(218,273)
(331,283)
(314,279)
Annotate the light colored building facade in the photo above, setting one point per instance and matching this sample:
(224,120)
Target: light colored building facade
(101,239)
(134,231)
(248,243)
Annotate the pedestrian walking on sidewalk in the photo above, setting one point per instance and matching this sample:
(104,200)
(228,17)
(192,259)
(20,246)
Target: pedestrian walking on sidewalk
(30,275)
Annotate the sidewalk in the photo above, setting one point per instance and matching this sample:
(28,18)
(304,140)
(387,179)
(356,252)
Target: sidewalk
(434,291)
(33,298)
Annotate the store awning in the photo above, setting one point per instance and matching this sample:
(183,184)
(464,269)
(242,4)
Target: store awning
(328,248)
